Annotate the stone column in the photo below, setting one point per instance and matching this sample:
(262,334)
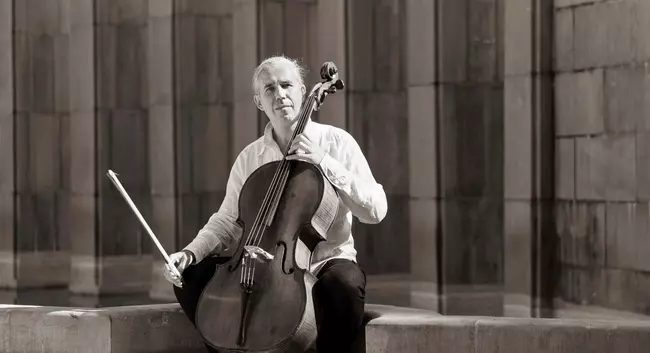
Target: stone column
(423,154)
(35,235)
(529,169)
(108,130)
(458,87)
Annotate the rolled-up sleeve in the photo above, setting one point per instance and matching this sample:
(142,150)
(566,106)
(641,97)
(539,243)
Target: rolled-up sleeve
(358,189)
(221,229)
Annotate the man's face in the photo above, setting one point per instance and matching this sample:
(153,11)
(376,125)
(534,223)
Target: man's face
(279,94)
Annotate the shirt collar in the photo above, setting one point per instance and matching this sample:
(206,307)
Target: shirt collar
(311,130)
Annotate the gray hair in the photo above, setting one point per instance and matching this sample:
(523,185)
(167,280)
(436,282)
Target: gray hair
(272,61)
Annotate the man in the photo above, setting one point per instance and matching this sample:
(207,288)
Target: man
(339,293)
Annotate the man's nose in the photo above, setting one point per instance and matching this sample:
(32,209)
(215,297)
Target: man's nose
(280,93)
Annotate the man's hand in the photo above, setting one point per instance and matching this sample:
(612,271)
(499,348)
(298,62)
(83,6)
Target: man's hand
(181,261)
(303,149)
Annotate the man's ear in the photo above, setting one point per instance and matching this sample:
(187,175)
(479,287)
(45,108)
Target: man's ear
(258,103)
(303,89)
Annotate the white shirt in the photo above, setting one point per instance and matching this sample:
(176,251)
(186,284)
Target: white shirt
(344,165)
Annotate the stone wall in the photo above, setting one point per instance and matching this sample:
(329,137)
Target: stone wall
(602,142)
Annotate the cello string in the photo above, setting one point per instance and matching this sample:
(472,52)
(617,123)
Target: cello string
(283,170)
(281,178)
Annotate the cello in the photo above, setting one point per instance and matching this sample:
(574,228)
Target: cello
(260,299)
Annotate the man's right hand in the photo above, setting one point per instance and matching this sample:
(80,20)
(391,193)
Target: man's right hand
(181,261)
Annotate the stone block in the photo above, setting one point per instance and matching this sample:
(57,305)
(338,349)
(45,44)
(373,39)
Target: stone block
(62,74)
(517,230)
(131,67)
(272,25)
(518,51)
(7,223)
(628,290)
(82,153)
(42,16)
(45,146)
(470,114)
(453,55)
(23,72)
(160,58)
(82,13)
(7,154)
(6,19)
(83,218)
(387,142)
(56,330)
(643,166)
(204,7)
(6,73)
(389,46)
(641,30)
(620,168)
(183,146)
(185,59)
(189,220)
(581,231)
(518,124)
(423,223)
(161,8)
(607,22)
(119,232)
(210,149)
(208,81)
(627,236)
(471,228)
(386,246)
(579,101)
(606,168)
(542,336)
(360,46)
(357,117)
(162,150)
(565,163)
(226,59)
(625,91)
(82,78)
(563,53)
(422,137)
(21,150)
(123,141)
(65,153)
(131,12)
(43,70)
(65,22)
(420,42)
(482,43)
(434,334)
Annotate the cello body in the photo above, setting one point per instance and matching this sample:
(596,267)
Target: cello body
(276,314)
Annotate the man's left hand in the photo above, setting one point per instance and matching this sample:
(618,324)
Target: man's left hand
(303,149)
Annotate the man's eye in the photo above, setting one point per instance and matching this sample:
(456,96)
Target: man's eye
(285,85)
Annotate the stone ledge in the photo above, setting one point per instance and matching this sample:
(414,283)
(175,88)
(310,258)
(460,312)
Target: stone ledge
(164,328)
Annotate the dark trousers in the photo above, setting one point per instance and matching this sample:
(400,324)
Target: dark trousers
(339,300)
